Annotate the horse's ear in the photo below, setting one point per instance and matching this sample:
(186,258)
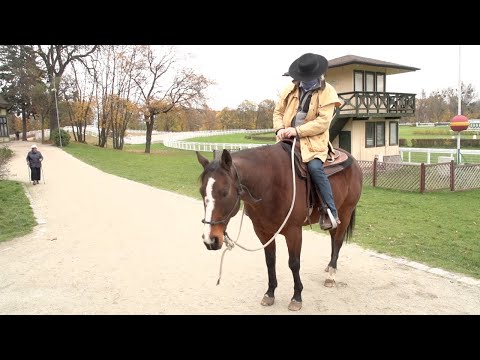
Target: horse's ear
(202,160)
(226,159)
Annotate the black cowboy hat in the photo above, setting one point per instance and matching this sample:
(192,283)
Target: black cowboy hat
(308,67)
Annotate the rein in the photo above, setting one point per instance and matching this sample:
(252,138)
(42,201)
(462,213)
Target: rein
(230,244)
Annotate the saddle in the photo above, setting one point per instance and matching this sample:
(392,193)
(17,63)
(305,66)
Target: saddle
(337,161)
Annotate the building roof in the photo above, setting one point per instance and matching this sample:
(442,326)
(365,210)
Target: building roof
(359,60)
(3,103)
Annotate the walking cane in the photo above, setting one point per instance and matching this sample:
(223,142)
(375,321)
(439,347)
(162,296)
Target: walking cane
(43,175)
(29,176)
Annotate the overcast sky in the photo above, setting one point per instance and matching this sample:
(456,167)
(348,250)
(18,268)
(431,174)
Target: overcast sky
(254,72)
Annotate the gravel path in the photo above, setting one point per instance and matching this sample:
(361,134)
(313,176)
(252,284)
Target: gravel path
(108,245)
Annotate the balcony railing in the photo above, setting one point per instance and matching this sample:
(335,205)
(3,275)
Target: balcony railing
(364,103)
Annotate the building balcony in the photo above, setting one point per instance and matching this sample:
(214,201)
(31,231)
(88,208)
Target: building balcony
(364,104)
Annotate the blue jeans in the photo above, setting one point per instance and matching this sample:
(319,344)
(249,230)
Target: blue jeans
(315,167)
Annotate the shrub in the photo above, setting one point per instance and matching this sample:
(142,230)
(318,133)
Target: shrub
(65,137)
(5,155)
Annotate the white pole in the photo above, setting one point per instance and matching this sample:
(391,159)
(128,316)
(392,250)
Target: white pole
(459,82)
(459,99)
(58,117)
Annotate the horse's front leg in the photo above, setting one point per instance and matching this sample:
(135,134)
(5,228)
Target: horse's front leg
(270,258)
(294,243)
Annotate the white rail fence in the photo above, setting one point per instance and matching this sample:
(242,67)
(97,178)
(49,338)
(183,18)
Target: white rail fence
(406,153)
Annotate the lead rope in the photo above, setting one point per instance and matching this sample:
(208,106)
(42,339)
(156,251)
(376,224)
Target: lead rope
(231,244)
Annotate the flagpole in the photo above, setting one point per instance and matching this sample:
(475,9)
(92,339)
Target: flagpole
(459,99)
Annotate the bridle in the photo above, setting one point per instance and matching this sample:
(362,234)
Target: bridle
(226,219)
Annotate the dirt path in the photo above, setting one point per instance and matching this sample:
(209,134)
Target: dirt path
(107,245)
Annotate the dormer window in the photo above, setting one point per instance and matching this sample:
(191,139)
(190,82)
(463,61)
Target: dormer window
(369,81)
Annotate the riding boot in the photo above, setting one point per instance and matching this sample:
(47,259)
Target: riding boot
(328,221)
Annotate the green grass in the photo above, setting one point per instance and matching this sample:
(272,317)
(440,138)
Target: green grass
(169,169)
(16,215)
(438,132)
(432,228)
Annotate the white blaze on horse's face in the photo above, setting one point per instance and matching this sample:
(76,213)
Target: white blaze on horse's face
(209,206)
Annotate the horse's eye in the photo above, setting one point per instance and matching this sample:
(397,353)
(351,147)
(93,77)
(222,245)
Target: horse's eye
(224,193)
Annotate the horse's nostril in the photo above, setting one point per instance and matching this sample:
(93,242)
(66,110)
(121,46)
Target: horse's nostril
(203,237)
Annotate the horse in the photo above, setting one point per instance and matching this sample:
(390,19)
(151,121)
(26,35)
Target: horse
(262,178)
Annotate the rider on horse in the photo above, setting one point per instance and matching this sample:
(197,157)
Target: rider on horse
(305,110)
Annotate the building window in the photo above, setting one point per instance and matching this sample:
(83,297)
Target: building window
(374,134)
(369,81)
(369,134)
(380,82)
(380,134)
(358,80)
(3,127)
(393,133)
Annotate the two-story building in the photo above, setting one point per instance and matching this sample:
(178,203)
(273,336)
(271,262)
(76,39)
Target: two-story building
(366,124)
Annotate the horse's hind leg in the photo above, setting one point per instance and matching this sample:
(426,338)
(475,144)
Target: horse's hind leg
(337,242)
(337,237)
(270,259)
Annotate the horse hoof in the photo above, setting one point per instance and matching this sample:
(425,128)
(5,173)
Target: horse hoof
(295,305)
(267,301)
(327,268)
(329,283)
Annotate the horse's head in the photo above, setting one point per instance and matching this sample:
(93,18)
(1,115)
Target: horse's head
(221,192)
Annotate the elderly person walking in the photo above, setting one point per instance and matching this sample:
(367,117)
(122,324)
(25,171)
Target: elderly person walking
(34,161)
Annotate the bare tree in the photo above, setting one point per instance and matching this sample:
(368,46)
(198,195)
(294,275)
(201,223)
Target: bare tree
(56,59)
(164,86)
(116,92)
(79,97)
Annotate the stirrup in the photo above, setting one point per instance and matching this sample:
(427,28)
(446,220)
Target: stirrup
(332,219)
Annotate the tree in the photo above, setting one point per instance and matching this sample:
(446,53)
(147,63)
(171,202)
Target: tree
(116,92)
(19,75)
(265,114)
(55,60)
(246,111)
(450,97)
(79,97)
(164,86)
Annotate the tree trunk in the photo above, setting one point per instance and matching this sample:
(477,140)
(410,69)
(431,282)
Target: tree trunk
(53,112)
(149,133)
(24,123)
(53,120)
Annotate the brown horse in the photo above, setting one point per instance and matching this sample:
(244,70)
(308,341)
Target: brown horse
(262,178)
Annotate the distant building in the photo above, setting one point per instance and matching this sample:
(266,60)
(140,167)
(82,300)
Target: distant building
(366,124)
(4,135)
(474,124)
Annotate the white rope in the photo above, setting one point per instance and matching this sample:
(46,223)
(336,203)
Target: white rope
(231,244)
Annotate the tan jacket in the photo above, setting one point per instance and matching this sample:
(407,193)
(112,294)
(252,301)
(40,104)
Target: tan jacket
(314,133)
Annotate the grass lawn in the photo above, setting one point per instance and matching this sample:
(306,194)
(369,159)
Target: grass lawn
(437,132)
(16,215)
(432,228)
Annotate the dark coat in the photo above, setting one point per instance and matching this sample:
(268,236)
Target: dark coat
(34,159)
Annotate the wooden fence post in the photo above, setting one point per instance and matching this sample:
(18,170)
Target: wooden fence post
(374,180)
(452,176)
(422,177)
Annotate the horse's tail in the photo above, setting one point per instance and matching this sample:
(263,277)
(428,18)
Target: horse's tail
(351,226)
